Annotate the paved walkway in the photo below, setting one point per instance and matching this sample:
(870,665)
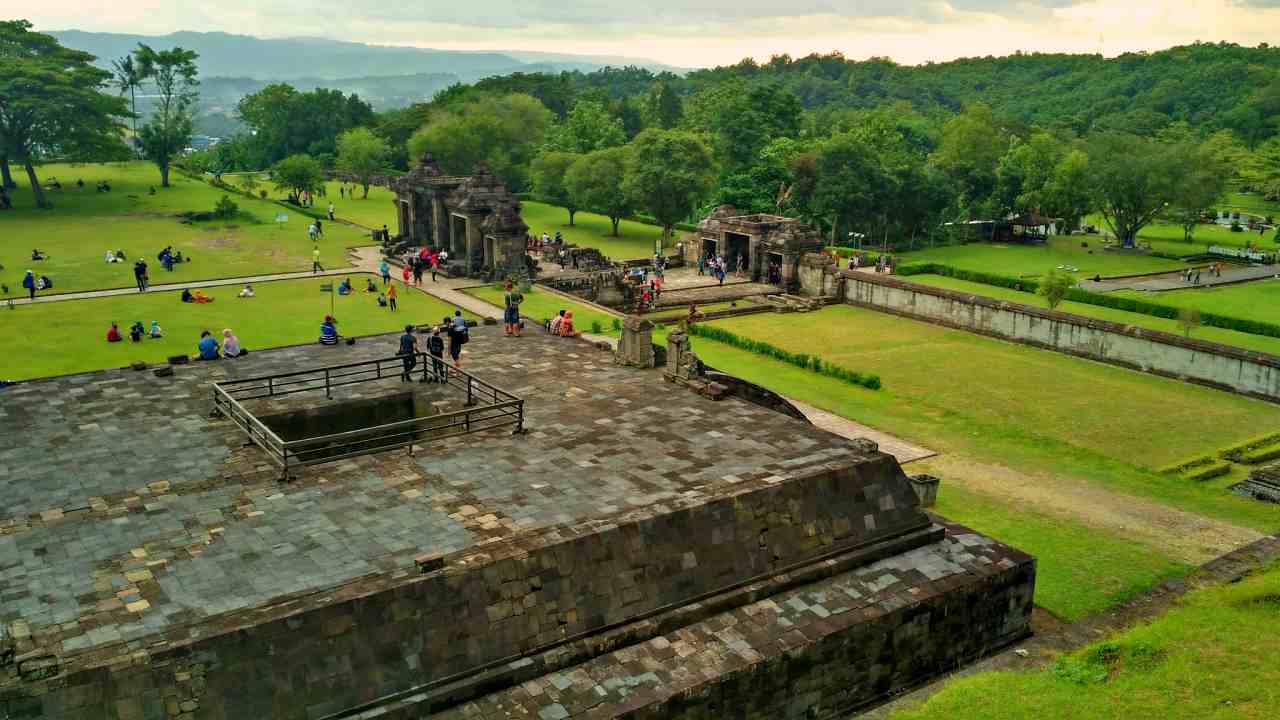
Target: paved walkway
(904,451)
(1231,274)
(186,285)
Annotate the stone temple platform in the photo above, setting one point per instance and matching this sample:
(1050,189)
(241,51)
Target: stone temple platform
(640,551)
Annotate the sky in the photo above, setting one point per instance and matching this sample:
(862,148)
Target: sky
(702,33)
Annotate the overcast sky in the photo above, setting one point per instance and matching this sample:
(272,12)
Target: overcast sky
(702,32)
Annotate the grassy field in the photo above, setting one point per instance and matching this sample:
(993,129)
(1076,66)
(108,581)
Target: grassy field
(84,224)
(65,337)
(1036,260)
(541,305)
(1259,300)
(636,240)
(1212,656)
(1251,202)
(1196,298)
(1167,237)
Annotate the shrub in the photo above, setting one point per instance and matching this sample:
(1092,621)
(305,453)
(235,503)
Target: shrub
(1261,455)
(596,327)
(1236,452)
(800,360)
(1207,472)
(225,209)
(1188,320)
(1055,287)
(1182,466)
(262,194)
(617,324)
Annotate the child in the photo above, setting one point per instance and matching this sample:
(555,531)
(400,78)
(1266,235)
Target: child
(391,296)
(136,331)
(113,334)
(155,329)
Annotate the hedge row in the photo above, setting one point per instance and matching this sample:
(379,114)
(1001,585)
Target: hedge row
(1184,465)
(1207,472)
(1134,305)
(640,218)
(1236,452)
(1260,455)
(801,360)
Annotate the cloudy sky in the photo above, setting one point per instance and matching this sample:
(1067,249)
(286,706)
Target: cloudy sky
(702,33)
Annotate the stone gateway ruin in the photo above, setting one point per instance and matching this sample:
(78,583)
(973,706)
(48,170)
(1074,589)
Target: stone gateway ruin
(770,245)
(639,551)
(475,218)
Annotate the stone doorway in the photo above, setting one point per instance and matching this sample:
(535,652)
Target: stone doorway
(772,270)
(457,236)
(710,248)
(739,247)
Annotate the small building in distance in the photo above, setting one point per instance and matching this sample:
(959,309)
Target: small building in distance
(771,245)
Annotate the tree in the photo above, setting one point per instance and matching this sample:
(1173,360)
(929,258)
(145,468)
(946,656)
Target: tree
(668,173)
(589,126)
(169,129)
(597,181)
(663,107)
(1188,320)
(128,79)
(362,155)
(970,149)
(296,175)
(1054,287)
(742,118)
(50,100)
(1202,181)
(1133,180)
(502,132)
(1025,170)
(288,122)
(849,177)
(547,175)
(1069,193)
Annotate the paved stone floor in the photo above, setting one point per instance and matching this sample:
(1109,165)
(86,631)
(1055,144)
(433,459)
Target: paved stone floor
(128,510)
(1173,281)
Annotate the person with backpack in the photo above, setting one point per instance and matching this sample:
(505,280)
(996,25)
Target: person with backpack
(511,310)
(140,274)
(408,353)
(459,334)
(29,282)
(435,347)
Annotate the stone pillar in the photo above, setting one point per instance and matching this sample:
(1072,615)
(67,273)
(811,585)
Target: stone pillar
(439,228)
(682,364)
(926,487)
(635,346)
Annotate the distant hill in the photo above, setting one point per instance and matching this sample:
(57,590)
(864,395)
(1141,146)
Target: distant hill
(227,55)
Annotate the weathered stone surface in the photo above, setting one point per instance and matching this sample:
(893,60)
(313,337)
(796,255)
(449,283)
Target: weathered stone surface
(635,345)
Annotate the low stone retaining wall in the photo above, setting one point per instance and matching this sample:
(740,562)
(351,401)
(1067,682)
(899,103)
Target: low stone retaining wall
(1188,359)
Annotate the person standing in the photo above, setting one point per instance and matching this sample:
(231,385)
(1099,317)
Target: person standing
(435,346)
(385,270)
(391,296)
(405,272)
(408,352)
(331,211)
(140,274)
(511,310)
(315,261)
(29,282)
(417,270)
(312,231)
(458,336)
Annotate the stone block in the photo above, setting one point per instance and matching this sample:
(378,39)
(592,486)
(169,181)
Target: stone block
(926,489)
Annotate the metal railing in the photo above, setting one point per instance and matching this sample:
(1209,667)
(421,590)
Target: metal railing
(486,407)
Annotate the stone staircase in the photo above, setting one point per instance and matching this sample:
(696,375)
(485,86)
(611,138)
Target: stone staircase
(795,303)
(1262,484)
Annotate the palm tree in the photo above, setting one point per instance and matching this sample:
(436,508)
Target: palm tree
(128,77)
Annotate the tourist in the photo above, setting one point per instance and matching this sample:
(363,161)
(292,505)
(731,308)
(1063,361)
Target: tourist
(187,296)
(553,327)
(344,287)
(331,211)
(392,294)
(312,232)
(207,346)
(246,291)
(43,283)
(435,265)
(386,234)
(408,352)
(369,287)
(702,264)
(1197,279)
(566,326)
(156,332)
(435,346)
(329,331)
(342,191)
(29,282)
(37,256)
(418,265)
(113,333)
(319,229)
(382,300)
(458,336)
(231,345)
(742,265)
(511,310)
(166,258)
(111,257)
(385,270)
(140,274)
(545,238)
(406,272)
(646,299)
(136,331)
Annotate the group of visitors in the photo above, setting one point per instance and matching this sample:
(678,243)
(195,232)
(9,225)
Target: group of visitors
(169,257)
(197,297)
(136,332)
(562,325)
(32,283)
(714,265)
(115,256)
(456,329)
(1192,275)
(211,350)
(424,261)
(315,230)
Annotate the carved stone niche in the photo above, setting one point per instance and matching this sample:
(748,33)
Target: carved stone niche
(635,346)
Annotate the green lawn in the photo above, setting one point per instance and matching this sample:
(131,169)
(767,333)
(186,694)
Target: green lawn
(1258,300)
(636,240)
(1080,570)
(1009,404)
(84,224)
(1261,343)
(1251,202)
(65,337)
(541,305)
(1212,656)
(1168,238)
(1036,260)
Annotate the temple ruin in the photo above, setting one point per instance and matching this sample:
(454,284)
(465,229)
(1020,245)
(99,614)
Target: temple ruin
(475,218)
(772,245)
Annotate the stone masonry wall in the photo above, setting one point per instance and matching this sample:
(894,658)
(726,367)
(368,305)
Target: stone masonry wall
(301,659)
(1205,363)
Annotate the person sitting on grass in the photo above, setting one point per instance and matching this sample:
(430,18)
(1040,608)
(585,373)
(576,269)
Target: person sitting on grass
(231,345)
(382,300)
(136,331)
(156,332)
(187,296)
(553,327)
(344,287)
(37,255)
(113,334)
(329,331)
(369,287)
(111,257)
(200,298)
(246,291)
(566,327)
(207,346)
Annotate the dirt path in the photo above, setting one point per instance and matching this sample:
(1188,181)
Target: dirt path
(1184,536)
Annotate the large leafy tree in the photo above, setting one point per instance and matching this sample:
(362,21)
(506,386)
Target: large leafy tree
(596,181)
(1201,183)
(502,132)
(663,107)
(289,122)
(589,126)
(547,175)
(742,118)
(1069,194)
(850,180)
(1025,170)
(1134,180)
(50,102)
(668,174)
(969,151)
(362,155)
(296,175)
(166,134)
